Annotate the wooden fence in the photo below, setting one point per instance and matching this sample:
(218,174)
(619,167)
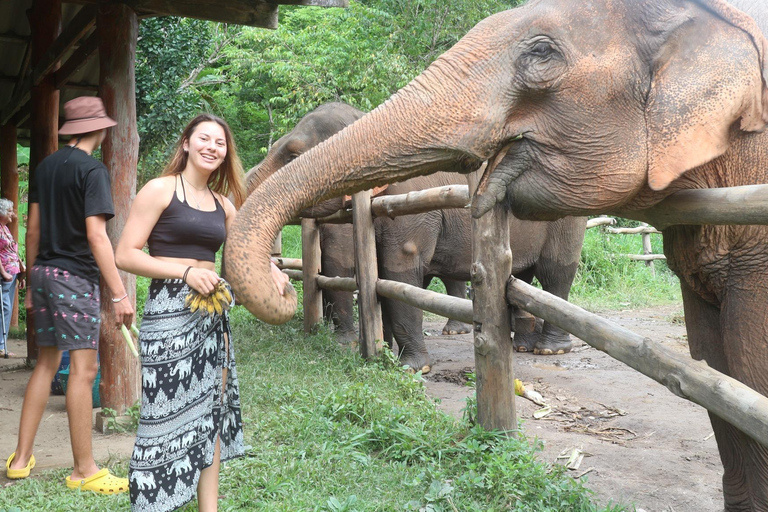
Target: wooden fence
(495,290)
(643,229)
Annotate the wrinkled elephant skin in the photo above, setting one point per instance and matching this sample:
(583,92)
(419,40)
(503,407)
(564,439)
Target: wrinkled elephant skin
(591,107)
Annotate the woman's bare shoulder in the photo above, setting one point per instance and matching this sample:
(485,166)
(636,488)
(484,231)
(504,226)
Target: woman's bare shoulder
(159,190)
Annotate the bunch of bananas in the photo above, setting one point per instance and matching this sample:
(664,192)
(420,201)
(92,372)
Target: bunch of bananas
(218,301)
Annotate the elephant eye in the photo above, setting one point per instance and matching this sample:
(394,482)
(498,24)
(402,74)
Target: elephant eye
(541,50)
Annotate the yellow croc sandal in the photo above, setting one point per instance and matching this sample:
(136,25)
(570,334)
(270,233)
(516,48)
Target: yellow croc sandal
(102,482)
(15,474)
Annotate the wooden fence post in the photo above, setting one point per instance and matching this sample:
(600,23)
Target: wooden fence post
(310,257)
(491,268)
(367,270)
(648,250)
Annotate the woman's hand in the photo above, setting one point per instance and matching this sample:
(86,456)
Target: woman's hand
(22,282)
(202,280)
(281,280)
(5,275)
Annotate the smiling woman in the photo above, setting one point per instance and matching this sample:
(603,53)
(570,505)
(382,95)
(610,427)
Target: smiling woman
(190,406)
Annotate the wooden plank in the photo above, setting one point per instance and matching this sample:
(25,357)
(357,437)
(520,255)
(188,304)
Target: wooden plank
(718,206)
(79,57)
(75,30)
(45,21)
(9,182)
(118,30)
(341,284)
(693,380)
(367,271)
(310,257)
(491,268)
(437,303)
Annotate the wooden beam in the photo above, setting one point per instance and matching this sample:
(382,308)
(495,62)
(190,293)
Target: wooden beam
(718,206)
(9,183)
(79,57)
(10,37)
(367,272)
(45,22)
(118,30)
(491,268)
(240,12)
(420,201)
(339,284)
(310,257)
(288,263)
(83,21)
(81,87)
(724,396)
(437,303)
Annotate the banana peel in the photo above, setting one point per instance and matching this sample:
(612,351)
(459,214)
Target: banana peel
(215,303)
(530,394)
(129,340)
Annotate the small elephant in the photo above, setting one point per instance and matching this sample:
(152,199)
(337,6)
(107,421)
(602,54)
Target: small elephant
(605,106)
(414,249)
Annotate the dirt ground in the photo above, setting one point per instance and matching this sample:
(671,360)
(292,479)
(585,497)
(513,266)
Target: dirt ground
(642,445)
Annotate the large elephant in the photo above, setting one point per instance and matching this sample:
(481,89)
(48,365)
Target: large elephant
(414,249)
(581,107)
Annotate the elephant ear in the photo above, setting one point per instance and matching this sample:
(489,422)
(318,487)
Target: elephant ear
(709,71)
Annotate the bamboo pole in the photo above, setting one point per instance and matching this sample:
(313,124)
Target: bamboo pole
(341,284)
(420,201)
(693,380)
(491,268)
(719,206)
(437,303)
(367,271)
(310,257)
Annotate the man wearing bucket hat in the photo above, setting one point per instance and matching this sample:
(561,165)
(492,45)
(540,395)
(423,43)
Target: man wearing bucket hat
(69,205)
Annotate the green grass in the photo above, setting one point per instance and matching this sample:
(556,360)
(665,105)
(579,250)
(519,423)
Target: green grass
(330,432)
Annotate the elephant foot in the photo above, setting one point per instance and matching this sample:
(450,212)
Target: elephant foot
(415,363)
(455,327)
(542,344)
(346,337)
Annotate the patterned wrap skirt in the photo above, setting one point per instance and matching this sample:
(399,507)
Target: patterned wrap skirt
(183,409)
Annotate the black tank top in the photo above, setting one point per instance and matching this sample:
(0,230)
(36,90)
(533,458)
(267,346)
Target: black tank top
(186,232)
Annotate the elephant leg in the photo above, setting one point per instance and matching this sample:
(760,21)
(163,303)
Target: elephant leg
(456,289)
(406,322)
(555,278)
(736,347)
(338,308)
(525,342)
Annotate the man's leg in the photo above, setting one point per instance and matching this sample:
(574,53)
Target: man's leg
(35,400)
(83,368)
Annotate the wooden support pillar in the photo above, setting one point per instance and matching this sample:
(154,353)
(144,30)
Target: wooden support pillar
(9,183)
(490,271)
(310,265)
(367,271)
(118,29)
(45,23)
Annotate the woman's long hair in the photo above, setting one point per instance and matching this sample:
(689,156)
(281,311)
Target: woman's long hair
(227,180)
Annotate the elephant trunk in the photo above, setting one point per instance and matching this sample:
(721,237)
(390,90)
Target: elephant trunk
(423,128)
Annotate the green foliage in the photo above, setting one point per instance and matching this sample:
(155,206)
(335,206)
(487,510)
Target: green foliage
(114,425)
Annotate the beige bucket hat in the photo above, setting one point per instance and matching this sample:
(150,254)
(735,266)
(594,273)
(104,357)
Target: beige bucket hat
(85,114)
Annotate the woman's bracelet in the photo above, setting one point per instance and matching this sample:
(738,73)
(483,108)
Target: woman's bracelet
(115,301)
(184,277)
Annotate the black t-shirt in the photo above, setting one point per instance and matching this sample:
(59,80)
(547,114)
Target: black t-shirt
(69,186)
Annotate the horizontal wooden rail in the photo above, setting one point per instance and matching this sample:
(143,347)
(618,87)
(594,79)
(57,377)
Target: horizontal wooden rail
(644,230)
(421,201)
(719,206)
(341,284)
(437,303)
(296,275)
(646,257)
(288,263)
(600,221)
(693,380)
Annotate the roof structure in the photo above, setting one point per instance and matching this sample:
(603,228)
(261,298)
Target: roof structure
(73,58)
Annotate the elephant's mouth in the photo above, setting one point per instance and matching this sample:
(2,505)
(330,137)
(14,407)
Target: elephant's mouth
(492,188)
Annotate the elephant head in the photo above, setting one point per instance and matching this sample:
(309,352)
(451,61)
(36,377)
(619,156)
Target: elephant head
(579,107)
(315,127)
